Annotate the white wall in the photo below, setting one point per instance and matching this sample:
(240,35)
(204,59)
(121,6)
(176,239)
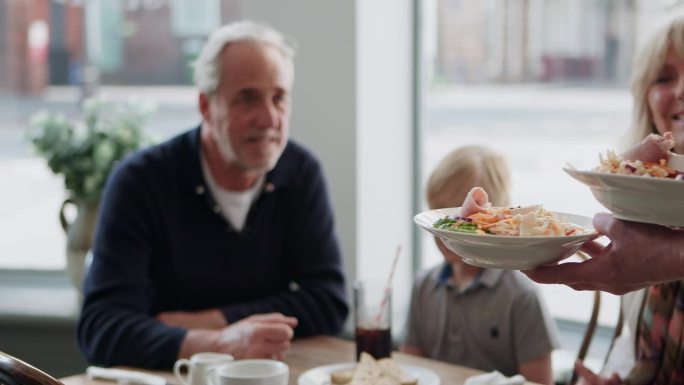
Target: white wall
(324,110)
(385,162)
(352,107)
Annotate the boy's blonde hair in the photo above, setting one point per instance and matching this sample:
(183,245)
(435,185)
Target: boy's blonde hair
(465,168)
(647,65)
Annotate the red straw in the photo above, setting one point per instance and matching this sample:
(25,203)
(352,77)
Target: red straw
(388,288)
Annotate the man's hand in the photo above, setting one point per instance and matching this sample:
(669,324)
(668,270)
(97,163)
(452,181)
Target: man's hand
(638,255)
(207,319)
(587,377)
(257,336)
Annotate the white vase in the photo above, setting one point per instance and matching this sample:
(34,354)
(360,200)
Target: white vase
(79,233)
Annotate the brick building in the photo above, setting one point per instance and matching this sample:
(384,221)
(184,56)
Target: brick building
(129,42)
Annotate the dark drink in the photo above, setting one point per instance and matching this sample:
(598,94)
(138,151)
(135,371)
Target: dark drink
(376,342)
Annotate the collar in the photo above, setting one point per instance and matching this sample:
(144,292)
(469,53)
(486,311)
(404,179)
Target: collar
(487,278)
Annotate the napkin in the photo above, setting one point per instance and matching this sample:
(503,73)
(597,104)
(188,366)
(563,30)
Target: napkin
(123,376)
(495,378)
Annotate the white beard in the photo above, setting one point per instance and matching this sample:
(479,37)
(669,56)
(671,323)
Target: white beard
(225,148)
(229,156)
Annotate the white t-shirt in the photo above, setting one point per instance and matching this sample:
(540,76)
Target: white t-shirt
(621,357)
(234,204)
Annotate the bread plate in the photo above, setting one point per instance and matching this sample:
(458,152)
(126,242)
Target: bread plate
(321,374)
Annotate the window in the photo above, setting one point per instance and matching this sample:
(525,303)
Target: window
(545,82)
(134,49)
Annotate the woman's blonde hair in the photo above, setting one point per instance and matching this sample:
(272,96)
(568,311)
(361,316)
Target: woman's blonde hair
(647,65)
(467,167)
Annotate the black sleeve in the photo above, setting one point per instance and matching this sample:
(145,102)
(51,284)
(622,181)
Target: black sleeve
(116,325)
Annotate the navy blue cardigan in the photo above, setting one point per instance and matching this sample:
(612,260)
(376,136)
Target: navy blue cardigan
(162,245)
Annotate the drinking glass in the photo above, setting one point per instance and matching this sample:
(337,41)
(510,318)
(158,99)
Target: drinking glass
(372,316)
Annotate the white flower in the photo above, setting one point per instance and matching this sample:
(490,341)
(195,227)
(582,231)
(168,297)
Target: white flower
(85,151)
(40,119)
(104,154)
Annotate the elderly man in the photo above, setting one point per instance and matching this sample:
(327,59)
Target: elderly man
(220,239)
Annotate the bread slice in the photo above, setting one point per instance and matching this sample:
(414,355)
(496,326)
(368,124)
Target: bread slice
(371,372)
(367,371)
(386,379)
(387,365)
(342,376)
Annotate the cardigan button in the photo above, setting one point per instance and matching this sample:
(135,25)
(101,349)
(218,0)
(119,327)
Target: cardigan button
(269,187)
(199,190)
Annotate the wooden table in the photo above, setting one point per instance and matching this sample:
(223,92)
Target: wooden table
(309,353)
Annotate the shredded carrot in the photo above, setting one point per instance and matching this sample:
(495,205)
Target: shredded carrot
(488,225)
(483,218)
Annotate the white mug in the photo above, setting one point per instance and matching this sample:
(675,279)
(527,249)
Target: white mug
(250,372)
(198,365)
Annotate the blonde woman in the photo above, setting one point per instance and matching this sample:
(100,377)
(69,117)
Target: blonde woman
(640,255)
(482,318)
(657,86)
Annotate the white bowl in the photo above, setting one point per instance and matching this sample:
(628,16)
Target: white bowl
(251,372)
(636,198)
(504,251)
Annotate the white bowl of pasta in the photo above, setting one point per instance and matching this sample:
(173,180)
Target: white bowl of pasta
(509,252)
(636,198)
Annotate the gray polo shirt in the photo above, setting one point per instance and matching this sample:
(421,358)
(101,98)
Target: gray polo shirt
(496,323)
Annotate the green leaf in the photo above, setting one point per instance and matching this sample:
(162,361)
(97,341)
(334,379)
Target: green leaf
(85,151)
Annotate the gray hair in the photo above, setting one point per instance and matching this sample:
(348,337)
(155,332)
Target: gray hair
(648,63)
(208,64)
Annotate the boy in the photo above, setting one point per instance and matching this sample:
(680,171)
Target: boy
(481,318)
